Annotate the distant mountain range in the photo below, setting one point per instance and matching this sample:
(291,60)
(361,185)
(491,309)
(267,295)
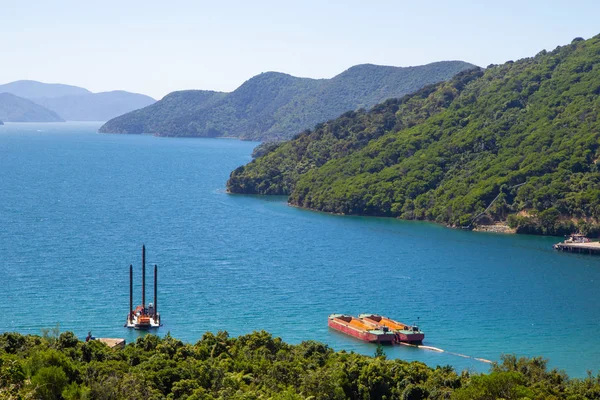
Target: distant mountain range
(276,106)
(34,89)
(95,106)
(70,102)
(18,109)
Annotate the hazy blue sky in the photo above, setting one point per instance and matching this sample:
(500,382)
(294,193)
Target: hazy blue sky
(155,47)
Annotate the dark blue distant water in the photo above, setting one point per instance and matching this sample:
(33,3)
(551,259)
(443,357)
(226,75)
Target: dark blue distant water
(76,206)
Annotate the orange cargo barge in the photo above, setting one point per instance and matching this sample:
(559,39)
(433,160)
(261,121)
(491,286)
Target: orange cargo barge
(363,330)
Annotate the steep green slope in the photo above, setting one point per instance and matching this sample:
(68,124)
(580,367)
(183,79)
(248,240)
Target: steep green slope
(17,109)
(273,106)
(532,123)
(278,171)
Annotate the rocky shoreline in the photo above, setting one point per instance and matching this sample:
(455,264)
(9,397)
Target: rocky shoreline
(495,228)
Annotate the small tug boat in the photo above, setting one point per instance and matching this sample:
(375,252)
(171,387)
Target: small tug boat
(143,317)
(363,330)
(403,332)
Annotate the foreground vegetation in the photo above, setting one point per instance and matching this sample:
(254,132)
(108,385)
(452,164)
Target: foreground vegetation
(275,106)
(256,366)
(524,133)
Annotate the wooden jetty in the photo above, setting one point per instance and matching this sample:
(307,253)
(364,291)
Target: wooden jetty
(113,343)
(585,248)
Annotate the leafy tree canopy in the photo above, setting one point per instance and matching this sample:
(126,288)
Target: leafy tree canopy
(257,366)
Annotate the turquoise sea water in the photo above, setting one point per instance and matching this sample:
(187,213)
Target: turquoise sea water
(76,206)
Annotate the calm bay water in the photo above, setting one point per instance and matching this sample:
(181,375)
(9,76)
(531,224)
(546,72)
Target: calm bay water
(76,206)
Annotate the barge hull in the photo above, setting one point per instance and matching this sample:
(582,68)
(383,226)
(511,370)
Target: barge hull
(362,335)
(413,338)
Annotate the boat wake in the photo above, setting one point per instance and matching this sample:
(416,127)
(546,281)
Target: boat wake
(429,348)
(447,352)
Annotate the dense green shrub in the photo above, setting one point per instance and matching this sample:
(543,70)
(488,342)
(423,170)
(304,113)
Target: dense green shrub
(259,366)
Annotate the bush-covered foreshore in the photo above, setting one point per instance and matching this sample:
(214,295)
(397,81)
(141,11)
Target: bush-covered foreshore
(254,366)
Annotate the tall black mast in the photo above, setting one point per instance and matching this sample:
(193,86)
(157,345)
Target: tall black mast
(143,276)
(130,292)
(155,285)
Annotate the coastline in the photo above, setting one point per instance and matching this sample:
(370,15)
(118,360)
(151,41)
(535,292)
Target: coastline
(499,228)
(496,228)
(155,134)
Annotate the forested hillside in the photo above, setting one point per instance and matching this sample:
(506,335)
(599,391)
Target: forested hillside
(255,366)
(275,106)
(446,152)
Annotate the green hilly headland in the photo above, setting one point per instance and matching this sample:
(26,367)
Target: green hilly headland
(256,366)
(17,109)
(275,106)
(525,133)
(159,116)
